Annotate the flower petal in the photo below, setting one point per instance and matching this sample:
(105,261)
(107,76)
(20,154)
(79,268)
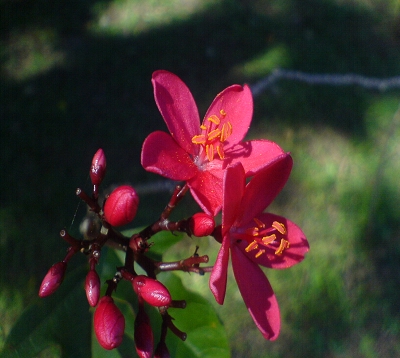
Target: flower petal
(294,254)
(219,272)
(178,108)
(206,189)
(264,187)
(257,294)
(163,156)
(254,155)
(236,102)
(233,186)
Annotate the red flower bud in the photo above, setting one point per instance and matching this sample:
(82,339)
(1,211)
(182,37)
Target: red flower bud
(92,287)
(201,224)
(53,279)
(161,351)
(98,168)
(121,206)
(152,291)
(109,323)
(143,334)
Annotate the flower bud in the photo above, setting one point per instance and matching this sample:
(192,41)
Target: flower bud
(92,287)
(98,168)
(161,350)
(152,291)
(109,323)
(201,224)
(121,206)
(143,335)
(53,279)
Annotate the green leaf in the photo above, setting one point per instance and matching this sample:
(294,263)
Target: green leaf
(62,319)
(206,336)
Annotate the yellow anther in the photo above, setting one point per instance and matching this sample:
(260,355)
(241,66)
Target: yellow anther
(222,113)
(279,227)
(220,151)
(268,239)
(259,223)
(283,246)
(210,152)
(213,134)
(203,127)
(252,246)
(199,139)
(259,253)
(214,119)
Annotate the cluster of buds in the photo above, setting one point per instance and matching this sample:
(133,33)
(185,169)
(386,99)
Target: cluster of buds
(224,174)
(118,209)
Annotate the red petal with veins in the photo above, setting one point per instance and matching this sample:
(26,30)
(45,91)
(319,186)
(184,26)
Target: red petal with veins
(291,256)
(163,156)
(237,102)
(257,294)
(206,189)
(219,272)
(178,108)
(263,188)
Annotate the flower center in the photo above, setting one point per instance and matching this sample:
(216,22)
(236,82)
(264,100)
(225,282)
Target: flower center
(214,134)
(261,237)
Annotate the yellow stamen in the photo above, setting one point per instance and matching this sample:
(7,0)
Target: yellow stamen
(279,226)
(213,134)
(283,246)
(220,151)
(259,253)
(214,119)
(210,152)
(203,127)
(268,239)
(222,113)
(199,139)
(252,246)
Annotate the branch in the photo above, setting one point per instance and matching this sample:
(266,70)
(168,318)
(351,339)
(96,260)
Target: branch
(349,79)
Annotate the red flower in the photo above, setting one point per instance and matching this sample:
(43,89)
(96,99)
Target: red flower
(255,238)
(199,153)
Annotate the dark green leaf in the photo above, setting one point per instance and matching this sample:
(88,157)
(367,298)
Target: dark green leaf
(62,319)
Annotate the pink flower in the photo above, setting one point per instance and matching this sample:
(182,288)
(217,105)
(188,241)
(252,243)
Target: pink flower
(199,153)
(255,238)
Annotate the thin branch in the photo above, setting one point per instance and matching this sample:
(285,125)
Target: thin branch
(348,79)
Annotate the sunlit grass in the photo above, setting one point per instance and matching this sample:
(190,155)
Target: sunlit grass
(275,57)
(30,53)
(130,17)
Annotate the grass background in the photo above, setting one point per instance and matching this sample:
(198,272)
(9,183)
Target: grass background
(75,76)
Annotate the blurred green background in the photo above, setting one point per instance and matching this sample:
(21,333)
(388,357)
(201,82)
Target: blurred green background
(75,76)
